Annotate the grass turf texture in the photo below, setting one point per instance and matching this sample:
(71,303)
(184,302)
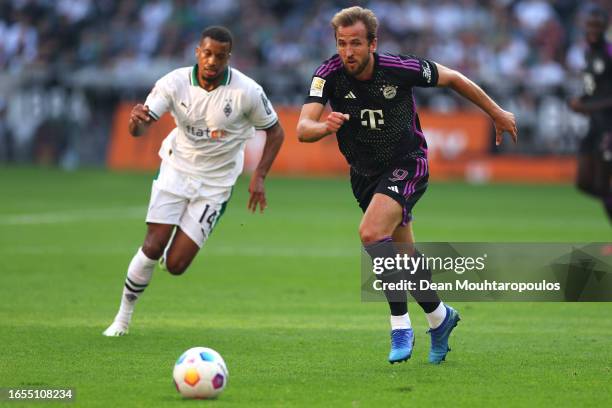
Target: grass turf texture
(278,296)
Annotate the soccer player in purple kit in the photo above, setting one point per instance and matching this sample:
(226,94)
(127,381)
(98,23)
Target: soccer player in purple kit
(595,150)
(378,131)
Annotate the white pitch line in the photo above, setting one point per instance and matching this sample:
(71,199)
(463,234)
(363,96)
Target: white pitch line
(211,250)
(290,252)
(61,217)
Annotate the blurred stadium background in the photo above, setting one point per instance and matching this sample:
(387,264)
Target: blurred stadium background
(278,295)
(70,71)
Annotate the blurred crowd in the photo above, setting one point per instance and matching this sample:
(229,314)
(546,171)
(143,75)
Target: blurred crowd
(533,42)
(526,53)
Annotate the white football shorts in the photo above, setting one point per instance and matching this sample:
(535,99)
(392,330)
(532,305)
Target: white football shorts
(178,198)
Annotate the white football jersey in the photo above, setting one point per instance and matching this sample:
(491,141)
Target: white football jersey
(212,128)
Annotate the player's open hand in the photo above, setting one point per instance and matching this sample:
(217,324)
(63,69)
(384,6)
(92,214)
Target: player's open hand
(140,114)
(257,194)
(504,122)
(335,120)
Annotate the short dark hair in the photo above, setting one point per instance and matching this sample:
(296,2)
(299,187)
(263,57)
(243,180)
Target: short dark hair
(218,33)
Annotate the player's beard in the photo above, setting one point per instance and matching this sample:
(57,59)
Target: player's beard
(359,68)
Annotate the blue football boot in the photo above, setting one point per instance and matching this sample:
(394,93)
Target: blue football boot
(440,335)
(402,341)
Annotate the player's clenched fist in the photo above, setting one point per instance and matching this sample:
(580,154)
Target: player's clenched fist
(335,120)
(140,114)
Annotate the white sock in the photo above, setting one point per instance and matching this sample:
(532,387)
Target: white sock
(400,322)
(138,277)
(436,317)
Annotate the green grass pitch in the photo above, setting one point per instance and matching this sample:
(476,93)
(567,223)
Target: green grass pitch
(278,296)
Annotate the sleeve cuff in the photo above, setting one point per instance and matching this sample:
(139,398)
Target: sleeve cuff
(153,115)
(268,126)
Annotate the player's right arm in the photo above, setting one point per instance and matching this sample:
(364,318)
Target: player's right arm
(158,102)
(140,120)
(310,129)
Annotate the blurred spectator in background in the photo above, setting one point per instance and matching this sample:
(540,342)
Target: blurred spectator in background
(7,153)
(595,153)
(20,40)
(485,38)
(119,48)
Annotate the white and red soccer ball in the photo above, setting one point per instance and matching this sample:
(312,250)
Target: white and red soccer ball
(200,372)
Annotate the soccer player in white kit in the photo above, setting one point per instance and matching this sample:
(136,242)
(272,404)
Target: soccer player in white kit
(216,109)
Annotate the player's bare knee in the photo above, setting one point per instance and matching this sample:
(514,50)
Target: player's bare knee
(153,248)
(176,267)
(369,233)
(176,270)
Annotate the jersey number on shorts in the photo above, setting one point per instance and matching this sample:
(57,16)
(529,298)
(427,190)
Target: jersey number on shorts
(399,175)
(211,218)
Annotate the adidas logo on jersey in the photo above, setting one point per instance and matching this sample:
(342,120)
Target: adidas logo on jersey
(350,95)
(394,189)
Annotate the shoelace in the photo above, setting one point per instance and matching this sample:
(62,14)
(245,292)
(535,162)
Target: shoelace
(399,339)
(435,340)
(436,336)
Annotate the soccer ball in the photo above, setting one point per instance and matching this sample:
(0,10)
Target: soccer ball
(200,372)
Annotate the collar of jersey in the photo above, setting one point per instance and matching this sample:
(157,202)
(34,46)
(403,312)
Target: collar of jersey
(227,76)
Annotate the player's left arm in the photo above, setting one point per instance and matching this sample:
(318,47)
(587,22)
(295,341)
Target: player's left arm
(504,121)
(257,192)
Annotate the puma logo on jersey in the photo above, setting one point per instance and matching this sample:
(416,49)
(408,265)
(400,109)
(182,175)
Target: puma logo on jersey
(394,189)
(350,95)
(184,106)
